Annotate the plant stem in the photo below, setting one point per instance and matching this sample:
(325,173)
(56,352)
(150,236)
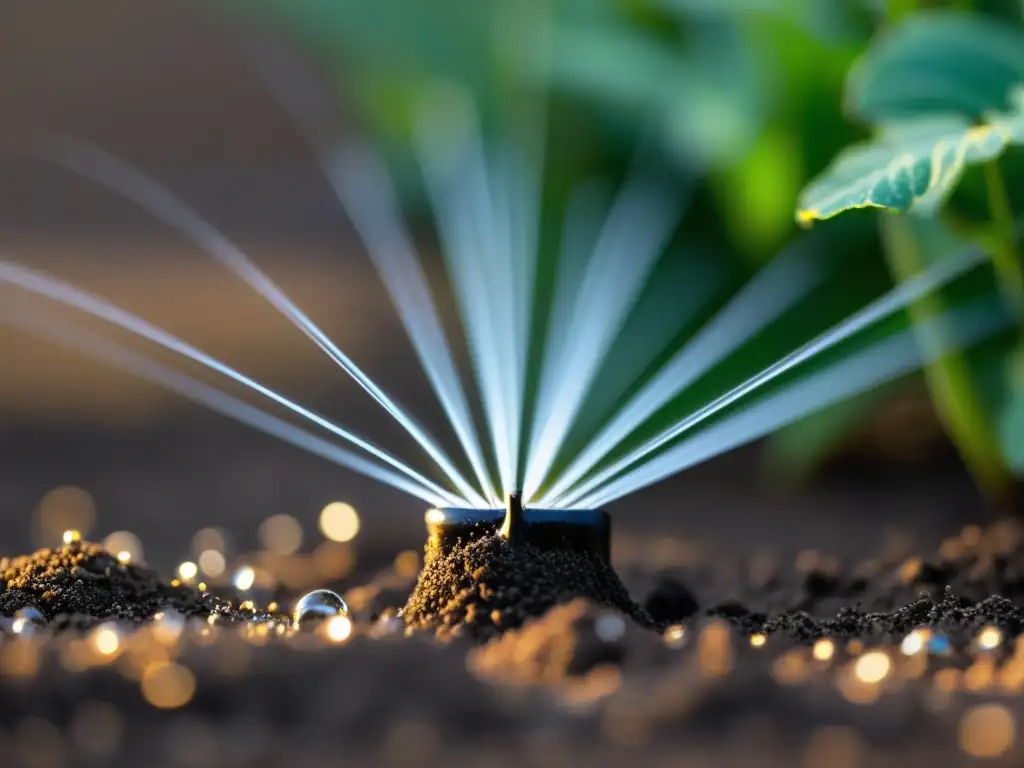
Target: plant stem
(949,380)
(1003,253)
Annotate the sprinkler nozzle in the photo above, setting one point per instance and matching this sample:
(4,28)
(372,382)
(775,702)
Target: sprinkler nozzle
(582,530)
(513,528)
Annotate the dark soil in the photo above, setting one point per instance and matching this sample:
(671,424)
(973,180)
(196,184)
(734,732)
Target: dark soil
(572,670)
(489,586)
(80,584)
(976,578)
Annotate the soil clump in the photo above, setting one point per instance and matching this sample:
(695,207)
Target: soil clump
(488,586)
(79,584)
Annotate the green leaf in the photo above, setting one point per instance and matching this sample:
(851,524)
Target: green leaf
(910,165)
(938,63)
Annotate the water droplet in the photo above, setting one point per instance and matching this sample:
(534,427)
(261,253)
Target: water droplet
(31,615)
(316,606)
(27,621)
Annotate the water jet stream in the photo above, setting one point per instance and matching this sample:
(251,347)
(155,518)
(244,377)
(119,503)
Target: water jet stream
(897,299)
(882,362)
(485,205)
(68,295)
(94,163)
(119,356)
(362,185)
(492,271)
(776,288)
(587,324)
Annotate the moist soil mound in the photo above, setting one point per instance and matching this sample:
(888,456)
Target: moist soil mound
(488,586)
(79,584)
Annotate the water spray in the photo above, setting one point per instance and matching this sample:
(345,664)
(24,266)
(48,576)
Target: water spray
(485,200)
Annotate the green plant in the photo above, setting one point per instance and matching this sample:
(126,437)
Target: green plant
(944,94)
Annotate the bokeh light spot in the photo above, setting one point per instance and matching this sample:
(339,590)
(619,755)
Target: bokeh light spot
(209,538)
(212,563)
(105,640)
(915,642)
(281,534)
(824,650)
(338,629)
(990,638)
(167,685)
(126,543)
(64,509)
(244,578)
(188,570)
(339,521)
(873,667)
(987,731)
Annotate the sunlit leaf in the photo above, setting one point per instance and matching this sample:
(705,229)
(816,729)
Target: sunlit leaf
(912,165)
(938,63)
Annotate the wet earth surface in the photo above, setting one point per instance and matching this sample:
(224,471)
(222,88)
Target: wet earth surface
(508,658)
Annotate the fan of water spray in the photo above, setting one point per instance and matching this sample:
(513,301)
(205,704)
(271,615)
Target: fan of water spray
(485,200)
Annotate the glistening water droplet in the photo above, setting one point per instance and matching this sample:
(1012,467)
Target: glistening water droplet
(32,615)
(28,620)
(317,606)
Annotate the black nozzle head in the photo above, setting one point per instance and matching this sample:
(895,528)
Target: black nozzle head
(582,530)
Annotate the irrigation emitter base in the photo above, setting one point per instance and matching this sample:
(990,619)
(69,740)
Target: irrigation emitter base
(578,530)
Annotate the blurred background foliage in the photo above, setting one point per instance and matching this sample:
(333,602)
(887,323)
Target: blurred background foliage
(754,99)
